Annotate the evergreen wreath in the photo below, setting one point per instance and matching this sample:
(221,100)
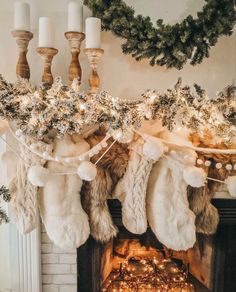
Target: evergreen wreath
(167,45)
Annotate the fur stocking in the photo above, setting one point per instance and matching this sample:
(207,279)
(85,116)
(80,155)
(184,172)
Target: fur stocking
(207,217)
(24,203)
(95,193)
(65,221)
(167,205)
(132,192)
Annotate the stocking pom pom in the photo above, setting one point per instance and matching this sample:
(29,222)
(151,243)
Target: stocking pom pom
(231,185)
(38,175)
(195,176)
(153,149)
(87,171)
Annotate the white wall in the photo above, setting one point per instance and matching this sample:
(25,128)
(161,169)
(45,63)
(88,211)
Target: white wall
(121,75)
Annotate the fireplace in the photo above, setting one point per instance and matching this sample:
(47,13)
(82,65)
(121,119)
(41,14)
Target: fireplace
(140,263)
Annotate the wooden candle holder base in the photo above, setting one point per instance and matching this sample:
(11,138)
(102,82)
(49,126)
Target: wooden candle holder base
(94,55)
(22,39)
(75,39)
(47,55)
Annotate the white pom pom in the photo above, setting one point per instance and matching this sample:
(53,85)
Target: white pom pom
(194,176)
(153,149)
(200,161)
(87,171)
(19,133)
(3,127)
(38,175)
(231,185)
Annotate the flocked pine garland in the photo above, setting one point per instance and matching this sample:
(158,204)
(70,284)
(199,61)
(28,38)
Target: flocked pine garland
(166,45)
(64,110)
(6,197)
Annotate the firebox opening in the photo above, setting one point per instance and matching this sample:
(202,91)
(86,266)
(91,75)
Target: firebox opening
(129,265)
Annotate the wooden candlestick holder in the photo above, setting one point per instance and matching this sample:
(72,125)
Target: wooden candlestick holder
(47,55)
(75,39)
(22,39)
(94,55)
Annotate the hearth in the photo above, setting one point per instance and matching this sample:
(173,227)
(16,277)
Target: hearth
(140,263)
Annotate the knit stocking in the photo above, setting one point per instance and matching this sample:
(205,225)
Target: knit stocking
(24,203)
(132,192)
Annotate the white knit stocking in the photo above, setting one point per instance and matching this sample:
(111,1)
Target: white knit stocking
(24,203)
(131,189)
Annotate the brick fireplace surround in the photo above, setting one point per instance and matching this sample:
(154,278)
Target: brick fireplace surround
(59,268)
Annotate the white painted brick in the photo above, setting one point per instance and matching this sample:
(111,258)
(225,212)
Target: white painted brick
(55,269)
(47,247)
(46,279)
(64,279)
(50,288)
(73,269)
(45,238)
(68,288)
(57,249)
(50,258)
(67,258)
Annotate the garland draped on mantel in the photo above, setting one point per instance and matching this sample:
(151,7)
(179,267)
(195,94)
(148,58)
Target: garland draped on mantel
(64,110)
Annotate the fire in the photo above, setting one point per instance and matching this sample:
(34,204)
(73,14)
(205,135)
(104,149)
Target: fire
(133,267)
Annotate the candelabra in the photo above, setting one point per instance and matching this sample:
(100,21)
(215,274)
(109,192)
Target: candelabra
(75,39)
(22,39)
(94,56)
(47,55)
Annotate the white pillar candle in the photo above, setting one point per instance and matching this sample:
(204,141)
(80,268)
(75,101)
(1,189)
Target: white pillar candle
(46,33)
(93,33)
(75,16)
(22,16)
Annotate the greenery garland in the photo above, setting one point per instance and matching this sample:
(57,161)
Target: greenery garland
(167,45)
(6,197)
(62,110)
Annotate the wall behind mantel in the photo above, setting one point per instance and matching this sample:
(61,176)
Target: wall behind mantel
(120,74)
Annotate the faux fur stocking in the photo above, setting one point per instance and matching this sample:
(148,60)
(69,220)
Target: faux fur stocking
(167,206)
(132,192)
(95,193)
(24,203)
(207,217)
(65,221)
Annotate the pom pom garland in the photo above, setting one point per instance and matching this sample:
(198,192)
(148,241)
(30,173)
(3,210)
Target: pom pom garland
(153,149)
(194,176)
(231,185)
(38,175)
(87,171)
